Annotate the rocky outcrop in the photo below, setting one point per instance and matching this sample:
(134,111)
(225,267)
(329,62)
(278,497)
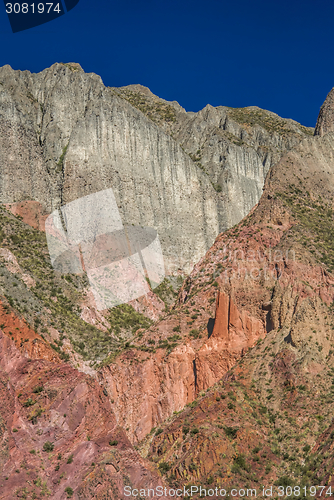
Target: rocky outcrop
(147,388)
(65,135)
(233,334)
(26,341)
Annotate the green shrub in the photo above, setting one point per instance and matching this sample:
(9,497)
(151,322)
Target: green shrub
(124,317)
(231,431)
(164,467)
(38,389)
(69,492)
(29,402)
(194,333)
(240,462)
(48,446)
(284,481)
(174,337)
(113,442)
(217,187)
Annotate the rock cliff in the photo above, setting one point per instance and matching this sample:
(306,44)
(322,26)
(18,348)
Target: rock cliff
(268,420)
(325,122)
(64,135)
(231,384)
(235,147)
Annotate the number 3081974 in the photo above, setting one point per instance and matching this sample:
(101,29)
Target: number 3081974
(39,8)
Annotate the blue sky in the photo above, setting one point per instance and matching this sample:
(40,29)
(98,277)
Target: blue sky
(277,55)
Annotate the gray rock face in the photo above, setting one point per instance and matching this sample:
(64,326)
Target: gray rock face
(325,122)
(64,135)
(235,147)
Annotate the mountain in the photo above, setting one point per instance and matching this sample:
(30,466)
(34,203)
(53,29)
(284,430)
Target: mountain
(226,383)
(189,175)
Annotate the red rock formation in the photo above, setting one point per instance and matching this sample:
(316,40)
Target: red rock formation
(232,335)
(32,213)
(147,388)
(29,343)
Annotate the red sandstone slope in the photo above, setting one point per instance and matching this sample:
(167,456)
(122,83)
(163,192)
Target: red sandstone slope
(29,343)
(58,430)
(31,212)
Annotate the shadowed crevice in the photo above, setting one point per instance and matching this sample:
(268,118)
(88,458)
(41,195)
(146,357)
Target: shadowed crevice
(210,326)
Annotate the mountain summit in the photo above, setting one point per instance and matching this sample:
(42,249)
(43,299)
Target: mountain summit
(325,122)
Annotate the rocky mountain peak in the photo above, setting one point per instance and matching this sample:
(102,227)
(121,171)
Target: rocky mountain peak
(325,122)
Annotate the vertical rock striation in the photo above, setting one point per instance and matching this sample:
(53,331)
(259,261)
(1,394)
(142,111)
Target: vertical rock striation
(63,135)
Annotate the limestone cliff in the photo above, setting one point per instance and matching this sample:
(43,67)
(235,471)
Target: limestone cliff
(63,134)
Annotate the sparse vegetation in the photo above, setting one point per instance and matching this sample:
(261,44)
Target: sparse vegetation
(155,109)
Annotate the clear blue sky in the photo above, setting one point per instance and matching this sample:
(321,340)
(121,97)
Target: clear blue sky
(275,54)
